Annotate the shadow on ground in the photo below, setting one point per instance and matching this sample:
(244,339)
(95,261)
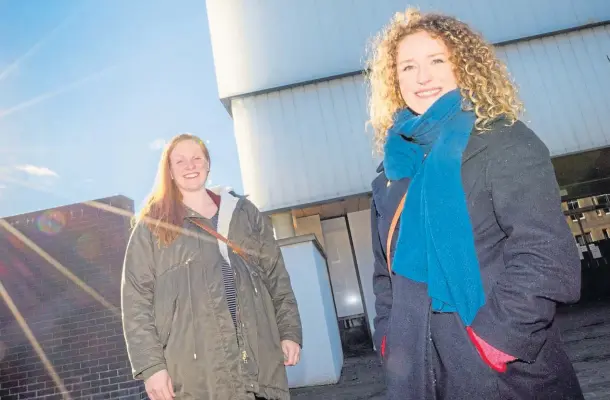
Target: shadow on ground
(585,332)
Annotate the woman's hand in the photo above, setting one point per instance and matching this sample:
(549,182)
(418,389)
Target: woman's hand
(159,386)
(292,352)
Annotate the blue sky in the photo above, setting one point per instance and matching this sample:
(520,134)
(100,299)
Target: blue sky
(90,88)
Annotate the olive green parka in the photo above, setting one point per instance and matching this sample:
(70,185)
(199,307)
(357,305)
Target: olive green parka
(175,313)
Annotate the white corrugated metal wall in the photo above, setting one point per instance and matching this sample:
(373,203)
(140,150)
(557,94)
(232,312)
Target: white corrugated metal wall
(564,82)
(261,44)
(305,144)
(309,143)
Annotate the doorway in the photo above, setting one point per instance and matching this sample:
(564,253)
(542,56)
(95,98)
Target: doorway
(346,286)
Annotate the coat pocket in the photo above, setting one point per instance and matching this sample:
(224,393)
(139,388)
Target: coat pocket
(266,314)
(493,357)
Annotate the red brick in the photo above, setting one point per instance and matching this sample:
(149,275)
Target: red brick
(82,340)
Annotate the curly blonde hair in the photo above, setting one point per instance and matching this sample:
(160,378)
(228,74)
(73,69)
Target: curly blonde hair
(482,78)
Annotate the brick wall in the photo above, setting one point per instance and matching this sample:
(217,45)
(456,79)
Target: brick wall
(82,339)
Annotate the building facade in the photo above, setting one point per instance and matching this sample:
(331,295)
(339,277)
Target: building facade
(61,269)
(290,73)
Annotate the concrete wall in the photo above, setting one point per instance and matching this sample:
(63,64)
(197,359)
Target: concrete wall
(311,224)
(322,356)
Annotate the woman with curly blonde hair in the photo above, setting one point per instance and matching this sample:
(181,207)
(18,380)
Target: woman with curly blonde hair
(472,250)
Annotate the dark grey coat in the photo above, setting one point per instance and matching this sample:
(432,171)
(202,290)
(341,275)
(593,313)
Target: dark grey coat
(529,262)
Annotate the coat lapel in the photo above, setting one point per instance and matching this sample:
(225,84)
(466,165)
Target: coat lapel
(471,171)
(476,144)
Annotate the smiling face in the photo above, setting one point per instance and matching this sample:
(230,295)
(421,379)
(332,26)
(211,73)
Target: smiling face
(189,166)
(424,70)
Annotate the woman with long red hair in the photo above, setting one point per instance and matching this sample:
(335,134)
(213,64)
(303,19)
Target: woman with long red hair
(208,307)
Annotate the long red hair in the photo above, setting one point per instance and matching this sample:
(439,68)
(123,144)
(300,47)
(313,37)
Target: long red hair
(163,211)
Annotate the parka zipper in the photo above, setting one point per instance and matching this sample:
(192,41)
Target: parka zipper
(244,354)
(188,278)
(239,332)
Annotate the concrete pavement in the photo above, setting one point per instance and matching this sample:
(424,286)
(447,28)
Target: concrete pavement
(585,332)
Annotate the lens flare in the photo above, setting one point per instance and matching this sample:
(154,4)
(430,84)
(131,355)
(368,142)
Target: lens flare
(21,267)
(16,243)
(88,246)
(51,222)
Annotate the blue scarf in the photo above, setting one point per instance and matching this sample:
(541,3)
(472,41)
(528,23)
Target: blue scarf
(435,242)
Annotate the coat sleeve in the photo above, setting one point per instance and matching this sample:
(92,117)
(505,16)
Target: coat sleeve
(382,285)
(278,281)
(137,285)
(542,266)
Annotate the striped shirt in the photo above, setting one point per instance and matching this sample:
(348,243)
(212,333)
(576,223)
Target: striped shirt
(228,278)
